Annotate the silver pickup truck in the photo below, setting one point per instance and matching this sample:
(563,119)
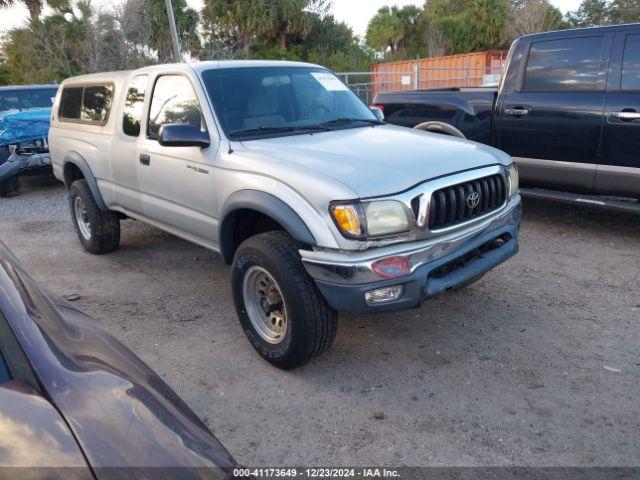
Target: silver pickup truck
(317,203)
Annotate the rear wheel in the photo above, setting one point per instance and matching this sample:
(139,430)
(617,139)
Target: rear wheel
(98,231)
(285,317)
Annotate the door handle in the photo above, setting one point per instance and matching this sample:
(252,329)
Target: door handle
(626,116)
(516,112)
(145,159)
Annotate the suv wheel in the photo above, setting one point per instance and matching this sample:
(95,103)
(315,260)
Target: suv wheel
(280,309)
(98,231)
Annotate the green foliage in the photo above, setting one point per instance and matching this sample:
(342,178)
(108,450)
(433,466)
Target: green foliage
(65,43)
(152,30)
(281,30)
(604,12)
(489,19)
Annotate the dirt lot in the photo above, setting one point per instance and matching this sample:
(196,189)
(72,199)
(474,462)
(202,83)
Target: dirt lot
(537,364)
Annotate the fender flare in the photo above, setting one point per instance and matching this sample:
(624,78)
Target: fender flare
(440,127)
(75,159)
(266,204)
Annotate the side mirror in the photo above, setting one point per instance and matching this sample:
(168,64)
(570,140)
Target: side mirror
(182,135)
(378,112)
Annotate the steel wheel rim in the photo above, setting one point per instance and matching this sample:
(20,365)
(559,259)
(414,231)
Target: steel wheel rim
(265,305)
(82,218)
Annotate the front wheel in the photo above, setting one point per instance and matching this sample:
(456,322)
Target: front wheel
(98,231)
(285,317)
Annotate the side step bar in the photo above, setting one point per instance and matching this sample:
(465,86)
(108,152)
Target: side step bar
(605,203)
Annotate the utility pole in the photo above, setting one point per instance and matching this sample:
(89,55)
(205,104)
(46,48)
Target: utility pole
(174,33)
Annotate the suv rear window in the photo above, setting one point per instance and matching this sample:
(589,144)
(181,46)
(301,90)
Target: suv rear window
(88,104)
(631,63)
(566,65)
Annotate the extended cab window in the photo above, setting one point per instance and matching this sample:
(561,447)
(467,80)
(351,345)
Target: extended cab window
(87,104)
(174,101)
(96,103)
(631,63)
(567,65)
(133,104)
(71,103)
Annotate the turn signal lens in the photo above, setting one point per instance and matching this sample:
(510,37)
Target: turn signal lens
(347,218)
(392,267)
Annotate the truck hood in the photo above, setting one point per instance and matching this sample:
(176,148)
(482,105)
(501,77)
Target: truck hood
(22,125)
(379,160)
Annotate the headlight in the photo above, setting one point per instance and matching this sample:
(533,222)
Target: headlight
(385,217)
(514,180)
(370,219)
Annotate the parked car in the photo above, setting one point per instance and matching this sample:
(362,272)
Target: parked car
(318,205)
(24,127)
(567,110)
(76,403)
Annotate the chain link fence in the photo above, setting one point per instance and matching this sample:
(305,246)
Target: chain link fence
(367,84)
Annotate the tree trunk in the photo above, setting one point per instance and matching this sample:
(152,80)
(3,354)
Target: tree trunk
(244,42)
(282,40)
(35,8)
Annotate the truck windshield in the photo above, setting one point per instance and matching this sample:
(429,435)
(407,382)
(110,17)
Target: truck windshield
(22,99)
(259,102)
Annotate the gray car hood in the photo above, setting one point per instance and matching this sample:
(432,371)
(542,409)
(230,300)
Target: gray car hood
(379,160)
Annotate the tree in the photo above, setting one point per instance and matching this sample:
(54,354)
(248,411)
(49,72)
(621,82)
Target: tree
(590,13)
(34,6)
(291,17)
(385,30)
(625,11)
(150,17)
(65,43)
(532,16)
(604,12)
(489,21)
(332,44)
(234,21)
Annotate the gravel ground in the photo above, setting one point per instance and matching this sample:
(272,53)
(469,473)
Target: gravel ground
(536,364)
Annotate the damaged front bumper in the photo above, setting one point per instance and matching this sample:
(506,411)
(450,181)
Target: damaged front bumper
(23,145)
(21,159)
(349,281)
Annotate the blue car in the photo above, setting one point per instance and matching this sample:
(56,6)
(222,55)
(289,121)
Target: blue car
(25,112)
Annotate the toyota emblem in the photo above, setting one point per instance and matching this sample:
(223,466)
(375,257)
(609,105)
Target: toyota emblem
(473,199)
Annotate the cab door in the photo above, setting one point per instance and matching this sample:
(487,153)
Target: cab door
(124,153)
(618,171)
(551,122)
(177,183)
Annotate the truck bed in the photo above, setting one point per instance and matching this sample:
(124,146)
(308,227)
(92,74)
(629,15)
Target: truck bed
(467,109)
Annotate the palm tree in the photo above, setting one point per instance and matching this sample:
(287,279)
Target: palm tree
(34,6)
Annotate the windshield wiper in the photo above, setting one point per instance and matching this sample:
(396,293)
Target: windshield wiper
(267,130)
(346,120)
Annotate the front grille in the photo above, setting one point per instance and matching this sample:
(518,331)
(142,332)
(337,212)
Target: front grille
(455,204)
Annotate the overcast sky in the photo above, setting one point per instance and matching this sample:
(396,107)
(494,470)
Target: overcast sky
(356,13)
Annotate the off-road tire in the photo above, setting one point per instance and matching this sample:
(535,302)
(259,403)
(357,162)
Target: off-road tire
(311,322)
(104,226)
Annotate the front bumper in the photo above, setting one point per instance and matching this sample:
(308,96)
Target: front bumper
(18,162)
(437,265)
